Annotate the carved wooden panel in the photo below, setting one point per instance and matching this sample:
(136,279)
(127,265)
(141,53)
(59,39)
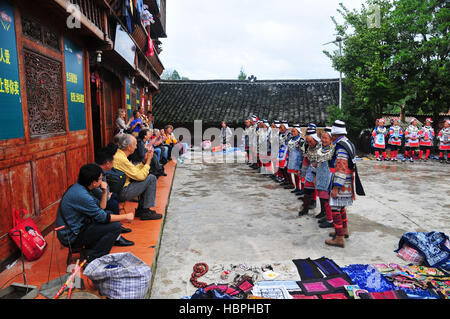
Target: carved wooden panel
(51,179)
(22,188)
(45,99)
(31,29)
(34,30)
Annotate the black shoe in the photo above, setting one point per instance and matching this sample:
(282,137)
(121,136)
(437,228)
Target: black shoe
(320,215)
(138,211)
(313,205)
(304,211)
(289,187)
(124,230)
(296,190)
(150,215)
(322,220)
(301,193)
(326,224)
(123,242)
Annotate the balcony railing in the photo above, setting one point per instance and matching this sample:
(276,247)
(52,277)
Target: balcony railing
(92,11)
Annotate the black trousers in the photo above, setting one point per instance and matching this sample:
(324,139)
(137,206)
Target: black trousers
(98,238)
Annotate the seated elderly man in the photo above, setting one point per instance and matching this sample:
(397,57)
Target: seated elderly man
(139,182)
(86,222)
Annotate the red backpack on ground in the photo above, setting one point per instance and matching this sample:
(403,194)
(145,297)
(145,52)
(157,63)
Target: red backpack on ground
(27,236)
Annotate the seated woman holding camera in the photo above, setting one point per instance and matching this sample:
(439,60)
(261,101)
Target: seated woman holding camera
(141,149)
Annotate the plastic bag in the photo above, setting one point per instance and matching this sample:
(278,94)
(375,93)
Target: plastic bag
(120,276)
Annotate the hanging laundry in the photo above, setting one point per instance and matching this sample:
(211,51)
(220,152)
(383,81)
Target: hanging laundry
(146,17)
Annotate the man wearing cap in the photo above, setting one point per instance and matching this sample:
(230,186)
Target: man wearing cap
(295,157)
(444,142)
(426,135)
(342,192)
(395,138)
(379,135)
(308,170)
(412,140)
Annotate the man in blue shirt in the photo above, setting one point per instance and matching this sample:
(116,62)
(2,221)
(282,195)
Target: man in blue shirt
(86,222)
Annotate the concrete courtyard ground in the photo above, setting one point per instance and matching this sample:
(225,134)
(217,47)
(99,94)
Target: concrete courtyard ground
(227,213)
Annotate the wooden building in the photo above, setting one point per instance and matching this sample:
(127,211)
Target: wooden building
(66,67)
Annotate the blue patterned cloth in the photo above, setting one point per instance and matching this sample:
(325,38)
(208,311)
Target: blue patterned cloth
(368,278)
(430,245)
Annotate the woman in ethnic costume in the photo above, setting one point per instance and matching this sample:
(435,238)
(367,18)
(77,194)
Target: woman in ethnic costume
(395,138)
(379,135)
(426,135)
(342,192)
(295,157)
(265,134)
(444,142)
(308,169)
(412,140)
(283,154)
(323,178)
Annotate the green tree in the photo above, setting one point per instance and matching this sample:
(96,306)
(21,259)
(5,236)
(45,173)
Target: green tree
(365,62)
(242,76)
(421,54)
(175,76)
(403,59)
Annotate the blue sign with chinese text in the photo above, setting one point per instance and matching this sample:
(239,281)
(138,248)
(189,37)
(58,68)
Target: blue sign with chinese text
(73,57)
(128,93)
(11,117)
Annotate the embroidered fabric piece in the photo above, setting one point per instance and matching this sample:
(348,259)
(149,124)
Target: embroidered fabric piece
(410,255)
(307,269)
(322,286)
(337,282)
(304,297)
(315,287)
(334,296)
(328,266)
(391,294)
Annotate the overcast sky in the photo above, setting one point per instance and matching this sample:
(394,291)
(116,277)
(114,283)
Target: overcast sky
(271,39)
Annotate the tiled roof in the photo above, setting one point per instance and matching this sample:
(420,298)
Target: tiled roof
(298,101)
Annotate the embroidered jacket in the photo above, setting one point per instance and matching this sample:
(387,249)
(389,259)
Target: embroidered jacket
(444,139)
(412,136)
(379,135)
(283,152)
(426,136)
(295,154)
(395,135)
(343,176)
